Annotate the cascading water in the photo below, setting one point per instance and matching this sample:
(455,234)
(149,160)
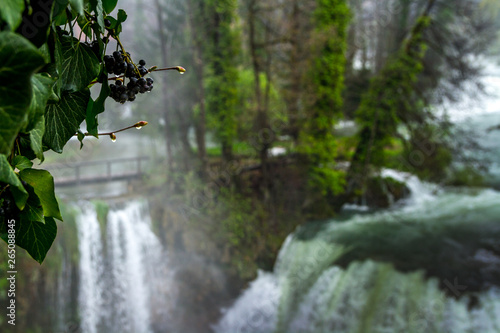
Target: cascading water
(428,264)
(123,272)
(367,274)
(91,265)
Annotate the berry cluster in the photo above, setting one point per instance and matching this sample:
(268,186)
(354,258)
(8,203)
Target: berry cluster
(122,93)
(118,64)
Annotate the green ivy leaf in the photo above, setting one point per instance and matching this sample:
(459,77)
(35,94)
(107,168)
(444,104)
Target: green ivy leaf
(36,237)
(11,12)
(43,184)
(77,6)
(36,139)
(45,52)
(76,63)
(122,16)
(113,22)
(59,7)
(63,17)
(19,59)
(109,5)
(21,163)
(95,108)
(8,176)
(100,14)
(42,90)
(63,119)
(33,211)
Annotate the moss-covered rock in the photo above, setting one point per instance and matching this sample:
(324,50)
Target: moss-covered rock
(382,192)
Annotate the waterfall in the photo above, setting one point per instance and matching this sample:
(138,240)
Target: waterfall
(124,280)
(368,274)
(91,269)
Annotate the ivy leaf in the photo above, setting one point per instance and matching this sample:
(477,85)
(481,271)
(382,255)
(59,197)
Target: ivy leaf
(36,139)
(63,119)
(122,16)
(33,211)
(19,59)
(95,108)
(43,184)
(113,22)
(42,90)
(45,52)
(76,63)
(59,7)
(11,12)
(109,5)
(8,176)
(36,237)
(21,163)
(99,13)
(77,6)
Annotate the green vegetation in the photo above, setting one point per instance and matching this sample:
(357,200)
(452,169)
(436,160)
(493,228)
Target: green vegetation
(46,73)
(317,141)
(265,74)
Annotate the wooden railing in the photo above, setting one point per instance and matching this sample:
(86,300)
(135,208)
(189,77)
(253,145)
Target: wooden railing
(75,174)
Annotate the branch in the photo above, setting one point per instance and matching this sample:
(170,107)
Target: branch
(112,135)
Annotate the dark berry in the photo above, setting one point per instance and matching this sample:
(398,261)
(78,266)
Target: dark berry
(123,98)
(132,84)
(107,22)
(141,82)
(142,62)
(130,72)
(117,55)
(142,70)
(112,87)
(118,82)
(149,81)
(117,69)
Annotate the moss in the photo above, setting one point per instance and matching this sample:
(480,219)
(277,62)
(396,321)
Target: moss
(102,210)
(466,176)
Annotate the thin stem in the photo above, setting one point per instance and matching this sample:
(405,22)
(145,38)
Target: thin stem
(177,68)
(129,60)
(81,32)
(136,125)
(6,187)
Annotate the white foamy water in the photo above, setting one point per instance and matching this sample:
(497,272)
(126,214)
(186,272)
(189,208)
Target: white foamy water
(307,294)
(123,271)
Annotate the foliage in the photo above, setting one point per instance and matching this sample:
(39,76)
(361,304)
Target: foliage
(46,72)
(327,82)
(389,102)
(222,94)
